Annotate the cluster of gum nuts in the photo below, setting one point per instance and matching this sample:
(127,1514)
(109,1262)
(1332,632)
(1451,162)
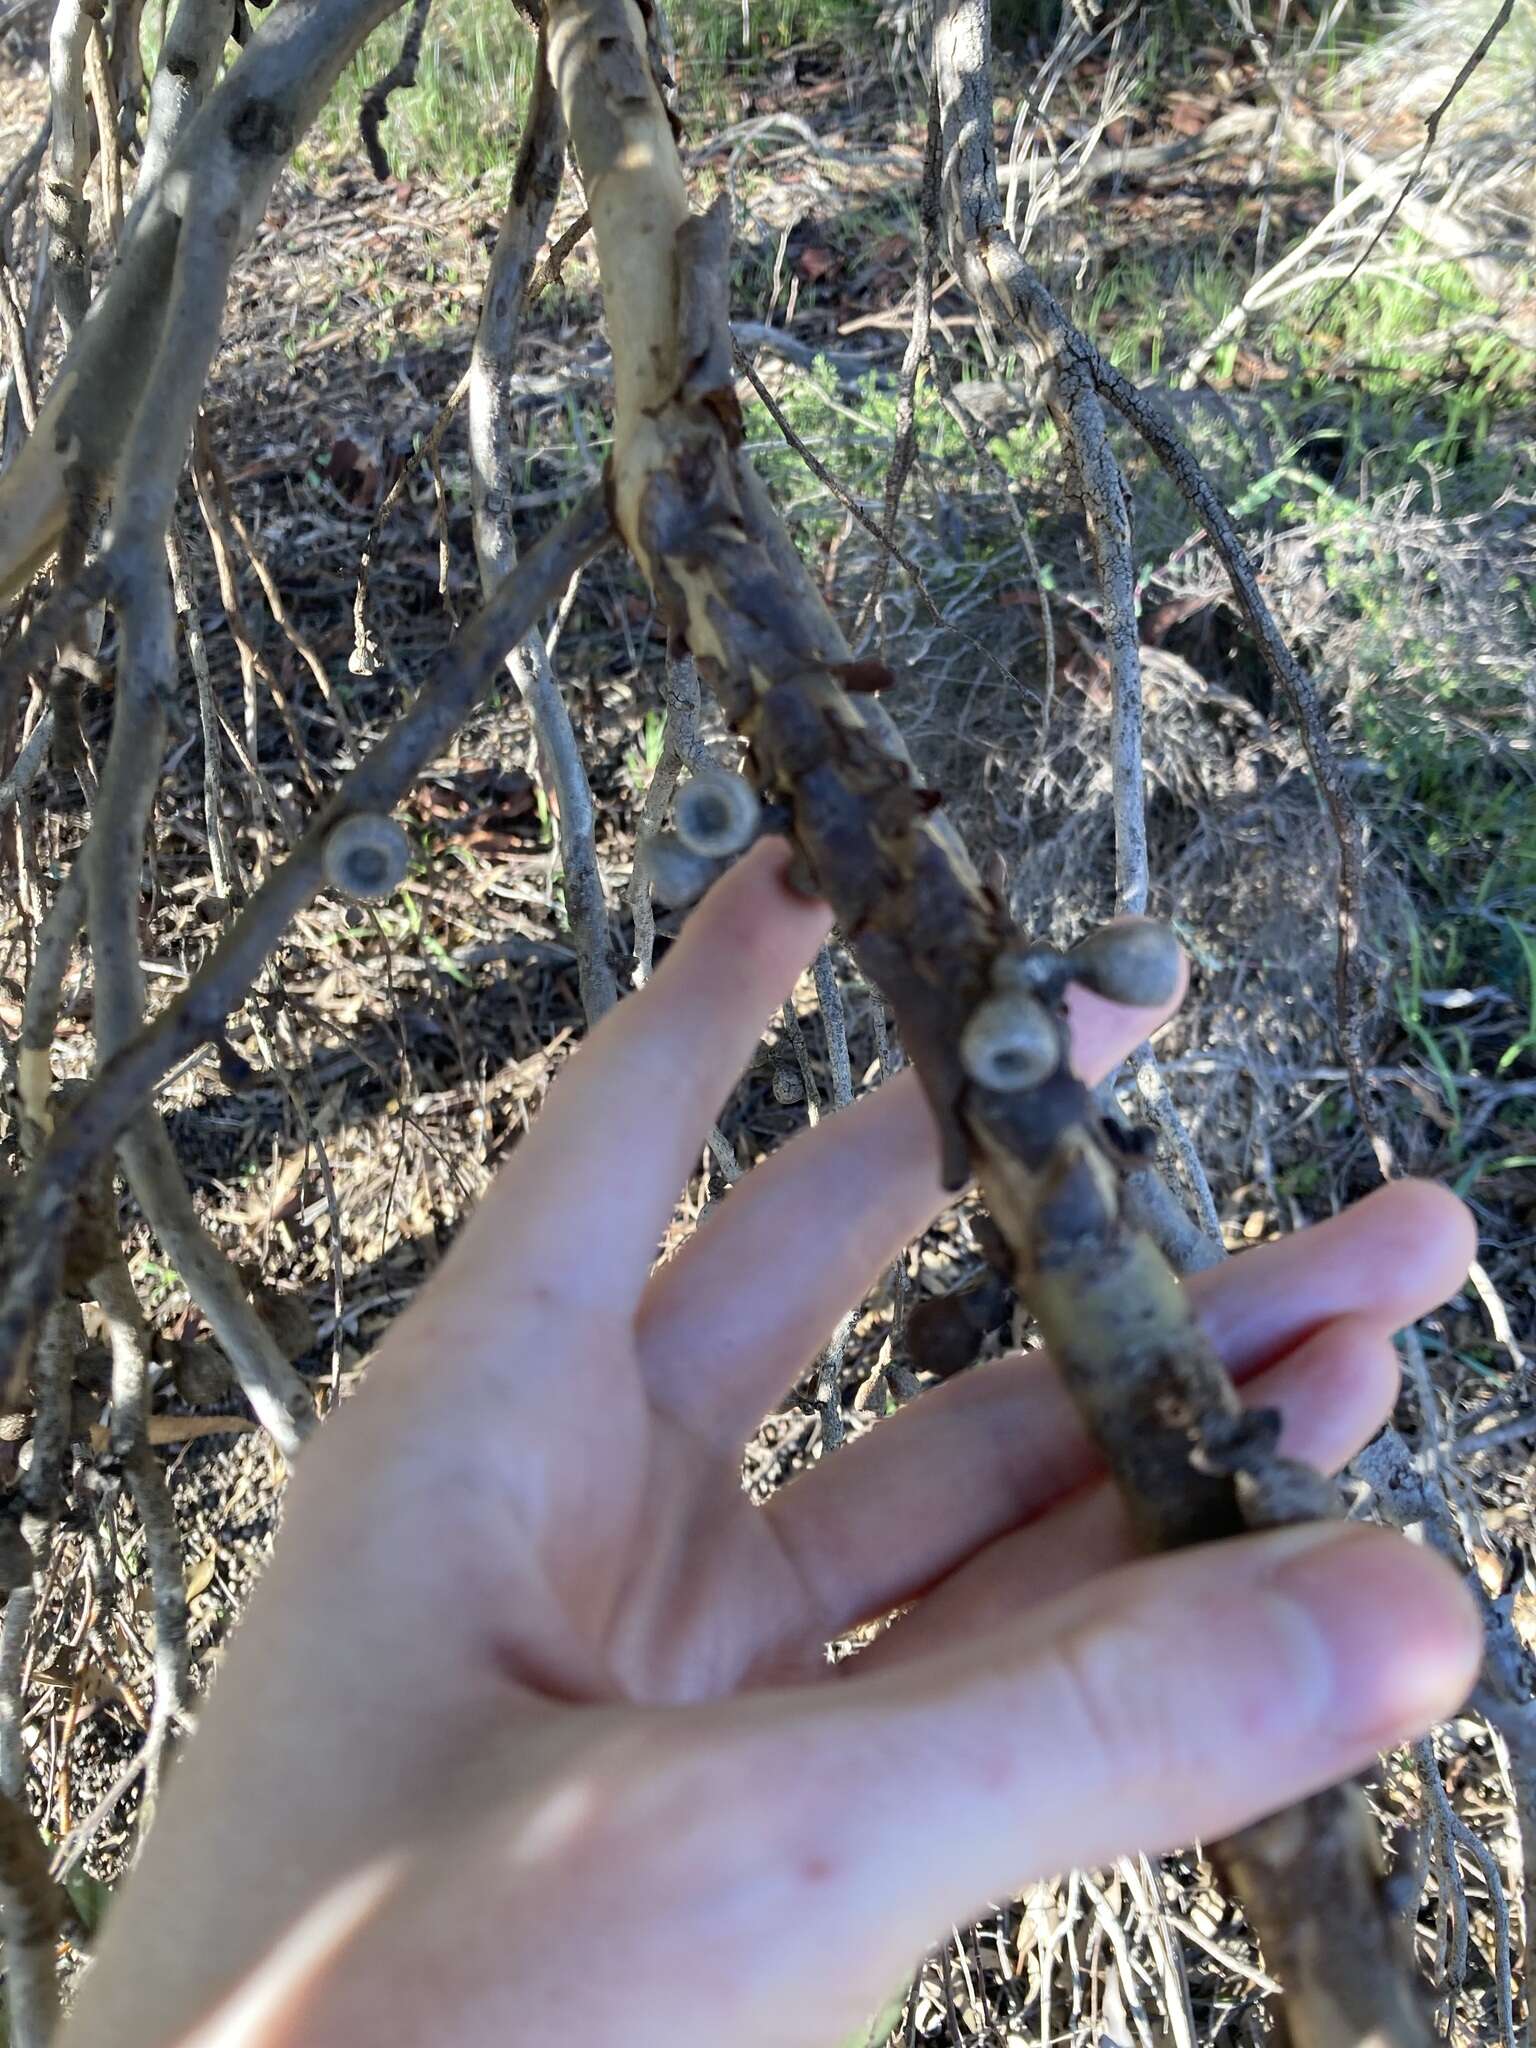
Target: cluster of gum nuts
(1014,1038)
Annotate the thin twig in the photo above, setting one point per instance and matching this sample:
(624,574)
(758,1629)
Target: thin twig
(535,187)
(130,1447)
(28,764)
(1484,44)
(1300,693)
(904,440)
(219,857)
(254,667)
(400,77)
(681,748)
(114,851)
(209,475)
(1154,1092)
(857,513)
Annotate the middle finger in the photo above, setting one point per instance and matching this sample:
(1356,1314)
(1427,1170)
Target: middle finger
(996,1447)
(729,1323)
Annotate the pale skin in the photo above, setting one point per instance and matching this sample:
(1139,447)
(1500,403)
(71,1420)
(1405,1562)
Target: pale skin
(530,1733)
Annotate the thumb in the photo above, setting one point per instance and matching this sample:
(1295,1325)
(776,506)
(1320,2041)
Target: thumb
(1178,1699)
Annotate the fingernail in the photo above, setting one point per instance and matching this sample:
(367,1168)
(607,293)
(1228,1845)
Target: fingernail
(1398,1635)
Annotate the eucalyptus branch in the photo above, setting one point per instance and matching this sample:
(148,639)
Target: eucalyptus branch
(98,80)
(69,161)
(1410,1493)
(400,77)
(16,347)
(28,764)
(220,859)
(114,851)
(184,76)
(255,670)
(1309,1879)
(904,439)
(937,943)
(130,1448)
(1300,692)
(125,61)
(35,1907)
(237,143)
(996,277)
(221,511)
(1437,114)
(681,748)
(19,179)
(1071,368)
(45,993)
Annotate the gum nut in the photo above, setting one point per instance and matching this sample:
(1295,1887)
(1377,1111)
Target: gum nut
(1010,1043)
(366,857)
(678,875)
(1133,961)
(717,814)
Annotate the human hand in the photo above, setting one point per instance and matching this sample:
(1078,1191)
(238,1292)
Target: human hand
(530,1728)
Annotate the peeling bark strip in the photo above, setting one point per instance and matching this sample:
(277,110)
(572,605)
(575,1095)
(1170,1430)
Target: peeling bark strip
(931,936)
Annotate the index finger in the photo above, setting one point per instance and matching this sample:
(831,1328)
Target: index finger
(589,1192)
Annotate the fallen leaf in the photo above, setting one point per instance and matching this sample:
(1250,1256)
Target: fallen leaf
(200,1578)
(1187,116)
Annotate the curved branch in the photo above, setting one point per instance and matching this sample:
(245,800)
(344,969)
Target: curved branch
(1150,1389)
(400,77)
(114,851)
